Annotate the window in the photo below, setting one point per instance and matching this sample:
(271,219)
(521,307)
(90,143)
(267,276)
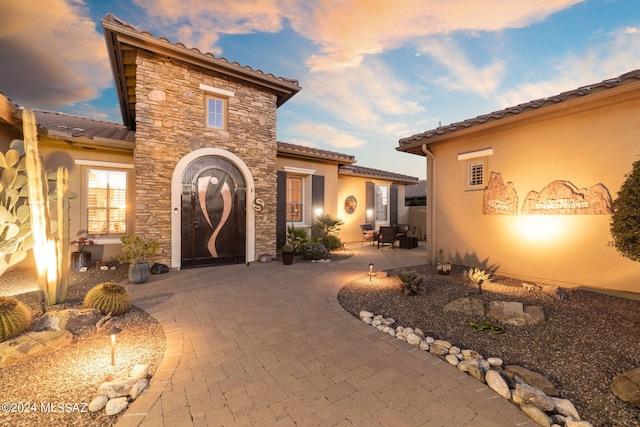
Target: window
(106,202)
(294,199)
(216,112)
(382,203)
(476,174)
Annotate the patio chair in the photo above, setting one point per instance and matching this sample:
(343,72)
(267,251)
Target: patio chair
(387,236)
(368,233)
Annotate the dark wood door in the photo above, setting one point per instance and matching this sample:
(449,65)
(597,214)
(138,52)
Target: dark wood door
(213,213)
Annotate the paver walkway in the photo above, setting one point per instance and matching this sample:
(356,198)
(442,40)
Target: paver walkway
(269,345)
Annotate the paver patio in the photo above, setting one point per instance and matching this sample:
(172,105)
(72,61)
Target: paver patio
(269,345)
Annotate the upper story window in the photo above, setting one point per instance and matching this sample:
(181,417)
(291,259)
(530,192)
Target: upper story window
(475,171)
(216,106)
(294,199)
(382,203)
(216,112)
(476,174)
(106,201)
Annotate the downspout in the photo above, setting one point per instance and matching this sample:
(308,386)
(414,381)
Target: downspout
(431,203)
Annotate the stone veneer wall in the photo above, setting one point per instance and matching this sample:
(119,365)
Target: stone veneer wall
(170,121)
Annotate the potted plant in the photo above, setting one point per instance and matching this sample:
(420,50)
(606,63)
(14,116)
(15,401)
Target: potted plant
(287,254)
(134,251)
(81,258)
(443,266)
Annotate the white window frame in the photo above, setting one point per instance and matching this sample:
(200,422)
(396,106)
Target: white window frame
(474,160)
(305,175)
(127,168)
(376,210)
(217,95)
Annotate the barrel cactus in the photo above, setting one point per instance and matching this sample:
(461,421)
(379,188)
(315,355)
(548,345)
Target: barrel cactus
(108,297)
(15,318)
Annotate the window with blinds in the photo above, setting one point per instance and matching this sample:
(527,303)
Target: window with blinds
(294,199)
(476,174)
(106,202)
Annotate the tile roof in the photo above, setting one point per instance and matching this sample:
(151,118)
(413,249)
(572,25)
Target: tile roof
(353,170)
(413,143)
(416,191)
(122,38)
(285,148)
(60,124)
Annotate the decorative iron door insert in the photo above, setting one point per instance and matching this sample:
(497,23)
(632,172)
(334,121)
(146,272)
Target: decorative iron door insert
(213,213)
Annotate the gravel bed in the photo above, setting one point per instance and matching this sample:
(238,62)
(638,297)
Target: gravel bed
(584,342)
(73,374)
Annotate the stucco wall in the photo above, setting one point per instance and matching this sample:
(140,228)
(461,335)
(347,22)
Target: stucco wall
(170,123)
(585,145)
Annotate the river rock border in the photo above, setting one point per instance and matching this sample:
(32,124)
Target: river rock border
(530,391)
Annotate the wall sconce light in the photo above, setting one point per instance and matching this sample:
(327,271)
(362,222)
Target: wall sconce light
(370,270)
(113,332)
(318,211)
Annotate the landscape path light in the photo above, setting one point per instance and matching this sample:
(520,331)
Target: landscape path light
(370,270)
(112,333)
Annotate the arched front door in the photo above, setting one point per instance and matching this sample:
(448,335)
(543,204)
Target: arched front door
(213,213)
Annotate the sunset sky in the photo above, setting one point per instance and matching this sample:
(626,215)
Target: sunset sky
(372,71)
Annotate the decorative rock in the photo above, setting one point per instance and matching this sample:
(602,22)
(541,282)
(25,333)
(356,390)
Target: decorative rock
(117,388)
(565,407)
(367,320)
(452,359)
(627,387)
(388,321)
(414,339)
(138,388)
(495,361)
(32,344)
(536,313)
(378,317)
(497,383)
(424,345)
(454,350)
(534,379)
(477,368)
(438,350)
(471,354)
(467,306)
(376,322)
(139,371)
(443,343)
(537,415)
(507,312)
(71,319)
(406,332)
(363,314)
(429,340)
(419,332)
(574,423)
(391,332)
(117,405)
(525,394)
(98,403)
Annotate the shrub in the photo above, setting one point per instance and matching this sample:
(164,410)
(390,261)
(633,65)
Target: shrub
(328,227)
(296,236)
(625,227)
(108,297)
(15,318)
(313,251)
(413,282)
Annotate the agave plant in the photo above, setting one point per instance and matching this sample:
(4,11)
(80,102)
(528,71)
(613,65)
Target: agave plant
(477,277)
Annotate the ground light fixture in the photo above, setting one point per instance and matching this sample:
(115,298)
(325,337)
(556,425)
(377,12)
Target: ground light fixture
(370,270)
(112,333)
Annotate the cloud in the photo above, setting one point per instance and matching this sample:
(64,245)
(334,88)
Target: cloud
(326,134)
(347,31)
(199,23)
(462,75)
(367,97)
(609,59)
(51,53)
